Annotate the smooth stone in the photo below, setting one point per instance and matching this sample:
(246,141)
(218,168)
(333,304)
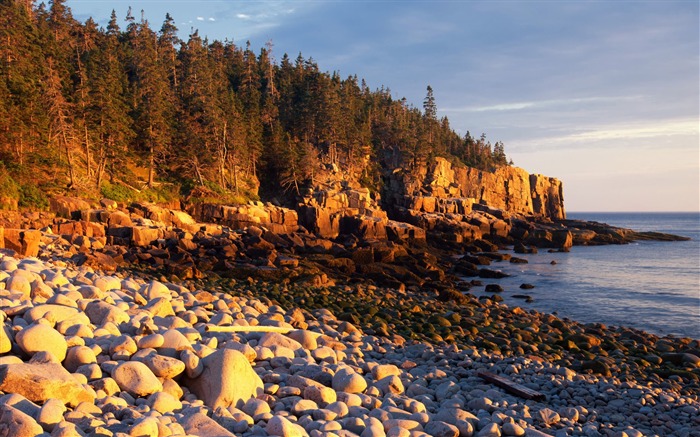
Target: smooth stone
(136,379)
(51,414)
(307,339)
(154,290)
(227,379)
(59,312)
(490,430)
(198,424)
(18,284)
(321,395)
(254,407)
(390,384)
(5,338)
(40,337)
(512,429)
(381,371)
(280,426)
(14,423)
(163,402)
(100,312)
(152,341)
(78,356)
(348,381)
(441,429)
(164,367)
(270,339)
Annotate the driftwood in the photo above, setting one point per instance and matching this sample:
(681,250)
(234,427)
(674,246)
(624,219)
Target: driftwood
(512,387)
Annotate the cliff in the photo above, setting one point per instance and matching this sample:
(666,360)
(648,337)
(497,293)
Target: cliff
(441,183)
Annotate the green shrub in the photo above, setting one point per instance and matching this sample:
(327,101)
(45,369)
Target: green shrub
(117,192)
(9,189)
(30,196)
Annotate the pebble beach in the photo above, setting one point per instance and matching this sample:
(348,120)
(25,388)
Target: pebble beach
(121,354)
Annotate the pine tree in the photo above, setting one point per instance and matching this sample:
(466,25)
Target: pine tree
(153,99)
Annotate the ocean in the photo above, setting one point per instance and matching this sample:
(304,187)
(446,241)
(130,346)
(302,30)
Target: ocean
(648,285)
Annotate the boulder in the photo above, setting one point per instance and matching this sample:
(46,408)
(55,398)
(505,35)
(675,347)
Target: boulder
(41,337)
(24,242)
(136,379)
(14,423)
(40,382)
(227,380)
(68,207)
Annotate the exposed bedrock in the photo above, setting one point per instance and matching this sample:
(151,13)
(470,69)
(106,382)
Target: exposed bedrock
(439,186)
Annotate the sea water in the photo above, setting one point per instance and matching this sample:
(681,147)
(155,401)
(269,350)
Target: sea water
(648,285)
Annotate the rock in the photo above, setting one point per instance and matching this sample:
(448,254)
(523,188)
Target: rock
(227,379)
(163,402)
(136,379)
(154,290)
(51,414)
(78,356)
(548,416)
(40,382)
(347,380)
(383,370)
(493,288)
(14,423)
(275,339)
(40,337)
(512,429)
(390,384)
(198,424)
(24,242)
(490,430)
(5,338)
(280,426)
(164,367)
(441,429)
(320,395)
(18,284)
(101,312)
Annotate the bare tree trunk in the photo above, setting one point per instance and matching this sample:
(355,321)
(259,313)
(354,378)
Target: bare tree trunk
(69,157)
(151,158)
(88,158)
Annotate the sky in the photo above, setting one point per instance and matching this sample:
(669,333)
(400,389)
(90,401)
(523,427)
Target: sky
(603,95)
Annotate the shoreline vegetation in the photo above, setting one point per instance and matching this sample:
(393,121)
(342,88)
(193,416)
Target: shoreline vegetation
(272,333)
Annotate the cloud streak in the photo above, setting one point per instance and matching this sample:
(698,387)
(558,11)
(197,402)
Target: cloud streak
(518,106)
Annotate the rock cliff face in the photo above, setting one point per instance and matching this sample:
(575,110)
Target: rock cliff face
(441,187)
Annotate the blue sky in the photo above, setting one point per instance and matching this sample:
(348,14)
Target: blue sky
(603,95)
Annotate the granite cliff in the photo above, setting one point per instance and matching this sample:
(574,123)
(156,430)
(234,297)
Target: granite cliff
(510,189)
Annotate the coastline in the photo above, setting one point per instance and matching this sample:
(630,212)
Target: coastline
(362,359)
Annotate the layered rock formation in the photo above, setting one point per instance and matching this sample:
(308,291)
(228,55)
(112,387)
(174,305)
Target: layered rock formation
(443,187)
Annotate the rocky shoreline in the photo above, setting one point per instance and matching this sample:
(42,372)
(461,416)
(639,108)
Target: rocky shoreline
(254,332)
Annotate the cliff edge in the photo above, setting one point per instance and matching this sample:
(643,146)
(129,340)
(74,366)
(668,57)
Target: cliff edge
(510,189)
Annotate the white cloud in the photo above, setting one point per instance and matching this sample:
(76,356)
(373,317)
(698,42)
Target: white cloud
(243,16)
(638,130)
(200,18)
(517,106)
(212,19)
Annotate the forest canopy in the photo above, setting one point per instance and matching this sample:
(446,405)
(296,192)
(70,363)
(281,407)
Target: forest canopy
(89,109)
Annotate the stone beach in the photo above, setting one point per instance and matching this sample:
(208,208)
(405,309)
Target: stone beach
(85,352)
